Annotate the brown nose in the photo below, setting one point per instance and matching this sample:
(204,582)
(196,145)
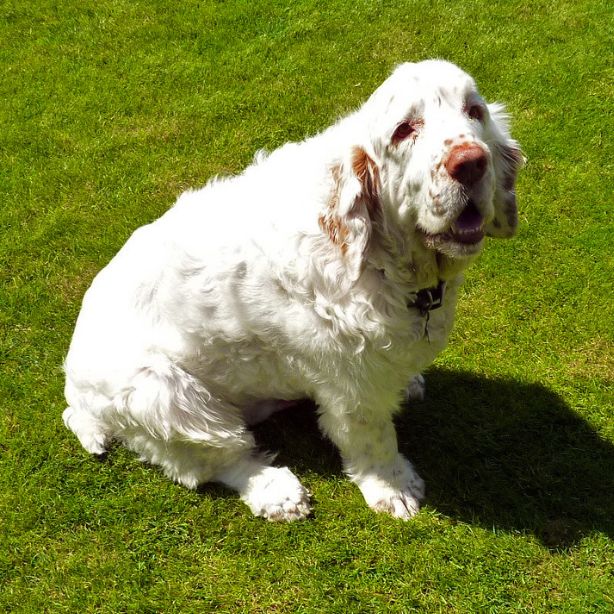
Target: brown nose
(466,163)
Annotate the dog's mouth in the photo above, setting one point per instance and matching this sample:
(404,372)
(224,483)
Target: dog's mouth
(464,236)
(469,226)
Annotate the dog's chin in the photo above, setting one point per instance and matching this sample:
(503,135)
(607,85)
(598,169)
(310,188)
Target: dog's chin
(447,244)
(463,239)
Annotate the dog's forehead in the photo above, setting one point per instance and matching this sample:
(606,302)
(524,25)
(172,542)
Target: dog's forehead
(432,76)
(422,83)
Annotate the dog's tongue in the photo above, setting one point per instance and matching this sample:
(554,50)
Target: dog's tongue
(468,226)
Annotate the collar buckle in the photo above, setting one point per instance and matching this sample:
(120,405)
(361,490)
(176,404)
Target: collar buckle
(428,299)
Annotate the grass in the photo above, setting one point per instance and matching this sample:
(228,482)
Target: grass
(110,109)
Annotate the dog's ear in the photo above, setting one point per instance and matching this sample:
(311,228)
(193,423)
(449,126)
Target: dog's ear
(352,208)
(507,160)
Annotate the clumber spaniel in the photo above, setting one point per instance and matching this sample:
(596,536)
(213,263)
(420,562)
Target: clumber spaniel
(328,269)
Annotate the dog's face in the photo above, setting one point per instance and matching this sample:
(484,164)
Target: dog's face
(446,163)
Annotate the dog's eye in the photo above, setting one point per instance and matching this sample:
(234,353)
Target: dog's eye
(476,111)
(404,130)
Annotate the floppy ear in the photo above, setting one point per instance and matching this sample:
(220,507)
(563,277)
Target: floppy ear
(507,160)
(352,208)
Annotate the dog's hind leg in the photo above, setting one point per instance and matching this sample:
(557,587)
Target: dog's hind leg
(197,437)
(170,419)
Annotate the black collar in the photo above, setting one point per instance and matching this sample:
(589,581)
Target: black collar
(428,299)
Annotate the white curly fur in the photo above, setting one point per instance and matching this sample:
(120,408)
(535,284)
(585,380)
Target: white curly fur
(292,280)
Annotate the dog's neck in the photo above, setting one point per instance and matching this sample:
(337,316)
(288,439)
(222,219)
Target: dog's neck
(408,263)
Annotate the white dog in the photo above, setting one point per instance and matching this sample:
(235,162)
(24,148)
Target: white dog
(329,269)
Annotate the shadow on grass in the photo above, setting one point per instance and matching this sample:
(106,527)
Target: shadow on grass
(493,452)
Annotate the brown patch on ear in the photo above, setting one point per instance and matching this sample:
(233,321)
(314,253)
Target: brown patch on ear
(368,174)
(335,229)
(335,224)
(331,223)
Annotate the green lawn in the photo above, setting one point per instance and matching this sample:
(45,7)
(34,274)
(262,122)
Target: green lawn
(109,109)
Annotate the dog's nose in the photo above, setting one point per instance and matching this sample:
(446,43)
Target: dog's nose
(466,163)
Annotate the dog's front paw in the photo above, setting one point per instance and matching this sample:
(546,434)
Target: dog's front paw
(276,494)
(399,493)
(400,504)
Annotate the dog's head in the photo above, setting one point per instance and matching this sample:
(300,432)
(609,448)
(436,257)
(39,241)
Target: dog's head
(433,159)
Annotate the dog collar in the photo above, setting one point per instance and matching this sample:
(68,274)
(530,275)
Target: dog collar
(428,299)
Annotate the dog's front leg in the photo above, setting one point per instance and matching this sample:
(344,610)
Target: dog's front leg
(368,446)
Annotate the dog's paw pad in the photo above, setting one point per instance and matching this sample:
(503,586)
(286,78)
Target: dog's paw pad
(277,495)
(398,493)
(287,511)
(400,505)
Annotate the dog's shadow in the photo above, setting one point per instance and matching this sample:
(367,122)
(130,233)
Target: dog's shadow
(493,452)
